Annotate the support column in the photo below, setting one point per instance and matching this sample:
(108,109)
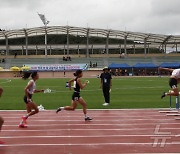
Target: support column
(67,41)
(165,48)
(36,49)
(162,48)
(22,50)
(176,48)
(125,45)
(92,49)
(50,50)
(26,41)
(107,43)
(26,45)
(120,49)
(87,45)
(145,47)
(7,46)
(134,47)
(78,49)
(64,49)
(148,49)
(46,41)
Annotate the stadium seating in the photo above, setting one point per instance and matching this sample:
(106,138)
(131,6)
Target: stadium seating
(101,62)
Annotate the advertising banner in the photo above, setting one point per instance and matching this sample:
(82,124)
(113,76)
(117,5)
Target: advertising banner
(56,67)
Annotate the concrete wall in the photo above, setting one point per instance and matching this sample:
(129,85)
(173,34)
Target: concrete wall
(87,74)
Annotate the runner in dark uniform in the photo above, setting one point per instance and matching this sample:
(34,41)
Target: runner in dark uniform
(106,84)
(76,98)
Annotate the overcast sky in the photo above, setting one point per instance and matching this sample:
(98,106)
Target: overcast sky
(155,16)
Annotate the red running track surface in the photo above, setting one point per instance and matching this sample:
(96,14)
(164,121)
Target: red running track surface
(110,132)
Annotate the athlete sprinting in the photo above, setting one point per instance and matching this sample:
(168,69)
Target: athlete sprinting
(30,89)
(1,119)
(173,82)
(76,98)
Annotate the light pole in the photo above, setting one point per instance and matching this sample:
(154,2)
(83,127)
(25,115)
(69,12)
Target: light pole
(45,22)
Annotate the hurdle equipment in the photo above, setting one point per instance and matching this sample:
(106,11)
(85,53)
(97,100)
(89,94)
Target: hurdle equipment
(174,112)
(177,102)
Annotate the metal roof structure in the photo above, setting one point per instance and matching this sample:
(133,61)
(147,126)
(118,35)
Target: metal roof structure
(145,40)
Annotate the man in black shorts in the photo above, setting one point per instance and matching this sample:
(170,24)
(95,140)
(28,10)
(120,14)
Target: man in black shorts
(106,84)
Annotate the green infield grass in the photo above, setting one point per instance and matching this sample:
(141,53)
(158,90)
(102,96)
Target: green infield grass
(131,92)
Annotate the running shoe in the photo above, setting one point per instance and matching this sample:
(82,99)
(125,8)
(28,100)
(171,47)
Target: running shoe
(22,126)
(105,104)
(88,119)
(24,119)
(163,95)
(58,110)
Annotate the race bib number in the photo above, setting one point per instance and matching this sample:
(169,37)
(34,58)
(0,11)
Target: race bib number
(76,98)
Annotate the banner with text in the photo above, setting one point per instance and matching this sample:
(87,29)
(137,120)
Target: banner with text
(57,67)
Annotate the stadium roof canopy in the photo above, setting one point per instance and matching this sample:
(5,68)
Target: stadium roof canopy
(135,36)
(141,40)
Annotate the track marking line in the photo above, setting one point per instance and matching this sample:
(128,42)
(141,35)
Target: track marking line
(83,144)
(70,136)
(87,129)
(84,124)
(173,114)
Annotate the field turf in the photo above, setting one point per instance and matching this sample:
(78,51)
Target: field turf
(133,92)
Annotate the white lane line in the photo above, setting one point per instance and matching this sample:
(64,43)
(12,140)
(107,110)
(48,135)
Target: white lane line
(109,117)
(92,123)
(95,136)
(87,129)
(7,81)
(84,124)
(80,115)
(142,109)
(83,144)
(120,118)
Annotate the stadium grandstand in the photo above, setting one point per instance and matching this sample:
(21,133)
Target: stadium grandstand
(96,47)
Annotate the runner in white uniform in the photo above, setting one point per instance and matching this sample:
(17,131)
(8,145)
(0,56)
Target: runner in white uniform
(173,82)
(30,89)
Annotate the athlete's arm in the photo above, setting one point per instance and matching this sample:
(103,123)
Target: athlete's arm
(166,69)
(82,86)
(101,84)
(70,83)
(178,80)
(38,91)
(111,83)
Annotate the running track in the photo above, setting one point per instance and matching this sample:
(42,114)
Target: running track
(111,132)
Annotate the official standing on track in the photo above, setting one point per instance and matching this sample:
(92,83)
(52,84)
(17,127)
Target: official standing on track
(106,84)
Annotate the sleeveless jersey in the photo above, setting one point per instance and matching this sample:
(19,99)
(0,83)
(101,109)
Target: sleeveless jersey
(176,73)
(76,86)
(32,88)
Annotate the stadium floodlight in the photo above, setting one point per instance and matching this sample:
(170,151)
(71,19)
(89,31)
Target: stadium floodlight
(45,22)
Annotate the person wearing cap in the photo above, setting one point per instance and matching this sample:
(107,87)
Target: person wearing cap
(106,84)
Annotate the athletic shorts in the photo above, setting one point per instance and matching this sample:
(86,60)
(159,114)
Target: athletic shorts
(173,83)
(76,96)
(25,98)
